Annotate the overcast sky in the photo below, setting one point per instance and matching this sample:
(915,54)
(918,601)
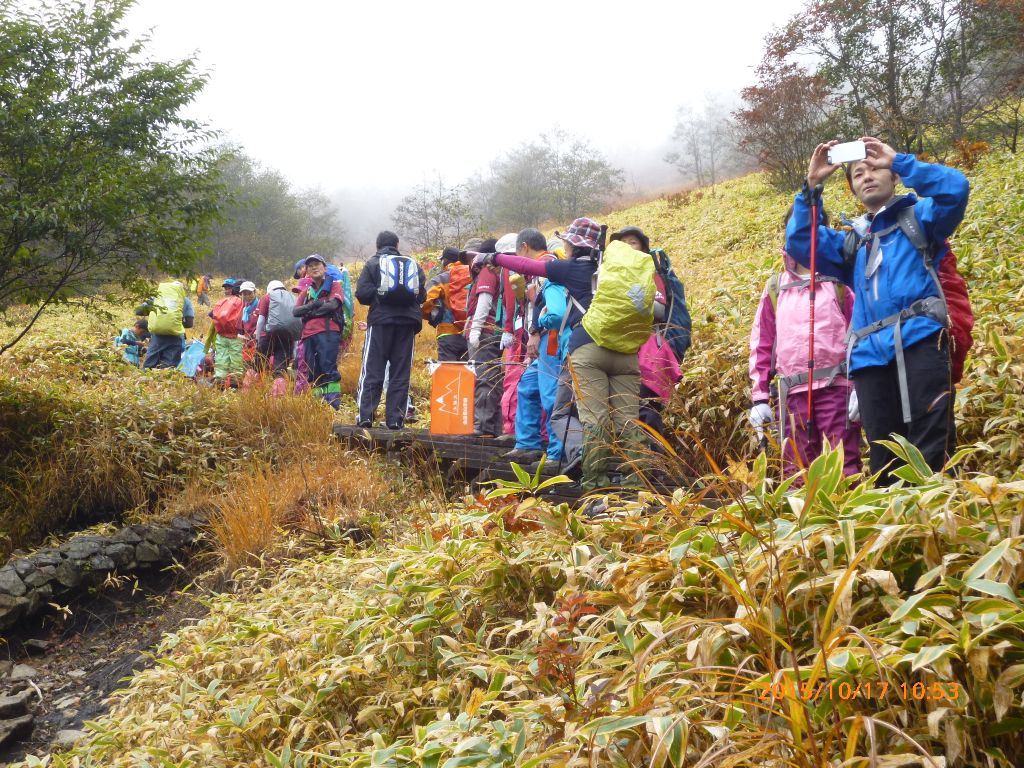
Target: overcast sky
(382,94)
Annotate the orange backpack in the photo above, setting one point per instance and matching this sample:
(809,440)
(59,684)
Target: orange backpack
(458,292)
(227,316)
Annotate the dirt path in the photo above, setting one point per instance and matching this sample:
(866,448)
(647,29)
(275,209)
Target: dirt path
(89,652)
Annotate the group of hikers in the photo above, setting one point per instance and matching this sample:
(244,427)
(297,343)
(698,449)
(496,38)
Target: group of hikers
(577,342)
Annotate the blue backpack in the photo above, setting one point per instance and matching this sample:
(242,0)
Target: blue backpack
(399,280)
(192,358)
(678,326)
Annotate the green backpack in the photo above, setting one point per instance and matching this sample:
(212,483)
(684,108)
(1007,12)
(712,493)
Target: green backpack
(165,317)
(621,315)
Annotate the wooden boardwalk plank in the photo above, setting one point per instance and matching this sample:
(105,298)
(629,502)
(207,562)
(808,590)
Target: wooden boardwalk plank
(463,457)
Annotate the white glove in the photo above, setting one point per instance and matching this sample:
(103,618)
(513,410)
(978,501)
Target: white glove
(760,415)
(507,340)
(853,406)
(474,341)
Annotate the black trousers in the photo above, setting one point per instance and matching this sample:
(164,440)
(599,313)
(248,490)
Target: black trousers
(277,345)
(452,348)
(931,428)
(387,347)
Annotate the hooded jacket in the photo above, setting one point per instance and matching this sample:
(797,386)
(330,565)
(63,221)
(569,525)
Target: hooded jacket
(779,336)
(388,314)
(900,277)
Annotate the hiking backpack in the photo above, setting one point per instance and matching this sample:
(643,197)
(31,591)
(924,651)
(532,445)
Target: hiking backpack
(678,328)
(165,317)
(348,306)
(227,316)
(621,314)
(457,292)
(192,358)
(952,288)
(279,314)
(399,280)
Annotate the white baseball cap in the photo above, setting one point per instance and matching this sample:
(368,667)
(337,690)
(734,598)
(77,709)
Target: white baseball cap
(507,244)
(273,285)
(248,285)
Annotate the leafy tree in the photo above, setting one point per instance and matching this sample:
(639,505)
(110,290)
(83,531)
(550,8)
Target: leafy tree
(582,180)
(707,146)
(784,118)
(918,73)
(266,225)
(556,177)
(434,215)
(102,180)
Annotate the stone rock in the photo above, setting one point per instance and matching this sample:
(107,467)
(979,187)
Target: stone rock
(39,576)
(126,536)
(77,674)
(182,524)
(23,566)
(156,535)
(145,552)
(69,574)
(47,557)
(122,553)
(11,609)
(23,672)
(17,729)
(82,547)
(101,563)
(11,583)
(68,738)
(38,598)
(16,705)
(37,647)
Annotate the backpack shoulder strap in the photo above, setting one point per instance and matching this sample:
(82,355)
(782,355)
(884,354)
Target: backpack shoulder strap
(851,243)
(907,221)
(773,290)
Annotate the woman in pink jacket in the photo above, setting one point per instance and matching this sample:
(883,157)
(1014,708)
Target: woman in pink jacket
(778,350)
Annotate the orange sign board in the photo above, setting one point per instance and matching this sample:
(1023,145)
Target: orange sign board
(451,399)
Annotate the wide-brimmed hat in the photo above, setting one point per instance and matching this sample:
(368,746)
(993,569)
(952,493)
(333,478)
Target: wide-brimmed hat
(638,233)
(582,233)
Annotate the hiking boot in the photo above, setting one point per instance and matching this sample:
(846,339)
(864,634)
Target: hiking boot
(505,439)
(395,427)
(364,424)
(523,455)
(596,509)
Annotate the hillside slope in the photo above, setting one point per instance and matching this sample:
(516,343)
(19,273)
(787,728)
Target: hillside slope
(841,622)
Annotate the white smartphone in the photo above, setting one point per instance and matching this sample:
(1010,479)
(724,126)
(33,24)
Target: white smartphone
(847,152)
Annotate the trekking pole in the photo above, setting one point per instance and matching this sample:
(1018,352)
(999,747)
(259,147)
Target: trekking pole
(815,199)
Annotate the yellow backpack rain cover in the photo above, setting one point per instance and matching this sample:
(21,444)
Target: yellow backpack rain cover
(168,308)
(621,316)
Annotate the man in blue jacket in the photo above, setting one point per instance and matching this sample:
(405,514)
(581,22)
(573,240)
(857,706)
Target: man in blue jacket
(899,344)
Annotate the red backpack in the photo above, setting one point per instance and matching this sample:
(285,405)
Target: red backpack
(961,316)
(227,316)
